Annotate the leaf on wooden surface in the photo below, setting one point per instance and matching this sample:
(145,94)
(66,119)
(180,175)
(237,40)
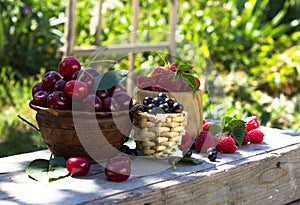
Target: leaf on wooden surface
(47,170)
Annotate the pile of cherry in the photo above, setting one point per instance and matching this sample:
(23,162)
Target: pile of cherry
(58,88)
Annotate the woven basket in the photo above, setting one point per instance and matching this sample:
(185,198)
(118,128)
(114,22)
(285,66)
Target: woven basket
(192,105)
(94,135)
(158,136)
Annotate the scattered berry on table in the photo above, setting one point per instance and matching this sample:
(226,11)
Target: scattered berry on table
(256,136)
(226,145)
(212,156)
(204,141)
(246,139)
(252,123)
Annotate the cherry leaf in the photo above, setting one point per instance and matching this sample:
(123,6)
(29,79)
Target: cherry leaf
(190,79)
(47,170)
(109,79)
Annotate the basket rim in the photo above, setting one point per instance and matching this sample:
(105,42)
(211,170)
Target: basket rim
(57,112)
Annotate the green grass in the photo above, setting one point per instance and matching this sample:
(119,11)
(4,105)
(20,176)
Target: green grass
(15,135)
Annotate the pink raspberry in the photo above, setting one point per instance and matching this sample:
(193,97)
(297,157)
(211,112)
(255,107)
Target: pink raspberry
(198,83)
(143,82)
(256,136)
(226,145)
(207,125)
(252,123)
(246,139)
(204,141)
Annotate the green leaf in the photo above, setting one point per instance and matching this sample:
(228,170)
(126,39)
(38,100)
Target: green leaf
(224,121)
(237,128)
(185,160)
(38,170)
(190,79)
(190,160)
(109,79)
(47,170)
(184,68)
(214,129)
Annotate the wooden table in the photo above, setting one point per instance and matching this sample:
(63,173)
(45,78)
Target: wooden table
(267,173)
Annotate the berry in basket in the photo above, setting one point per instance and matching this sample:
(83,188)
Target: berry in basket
(158,131)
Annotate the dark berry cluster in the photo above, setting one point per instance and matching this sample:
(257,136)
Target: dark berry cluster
(160,104)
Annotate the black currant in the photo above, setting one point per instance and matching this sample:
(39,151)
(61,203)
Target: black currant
(177,107)
(157,101)
(212,156)
(212,150)
(162,95)
(151,106)
(147,100)
(143,108)
(125,149)
(169,101)
(156,110)
(165,108)
(188,153)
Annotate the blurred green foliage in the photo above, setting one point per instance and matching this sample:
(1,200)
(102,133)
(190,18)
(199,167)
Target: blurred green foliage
(30,34)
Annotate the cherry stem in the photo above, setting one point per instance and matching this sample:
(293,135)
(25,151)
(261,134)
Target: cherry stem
(29,123)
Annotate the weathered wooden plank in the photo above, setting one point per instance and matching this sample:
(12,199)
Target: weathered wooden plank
(120,49)
(266,173)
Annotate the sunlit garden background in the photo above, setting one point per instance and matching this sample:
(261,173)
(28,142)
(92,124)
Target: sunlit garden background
(254,46)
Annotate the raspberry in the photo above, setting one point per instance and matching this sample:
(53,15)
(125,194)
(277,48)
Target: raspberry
(158,71)
(226,145)
(252,123)
(198,83)
(204,141)
(246,139)
(256,136)
(206,125)
(143,82)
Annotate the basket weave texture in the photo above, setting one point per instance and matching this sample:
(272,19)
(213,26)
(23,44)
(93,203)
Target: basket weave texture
(158,136)
(97,135)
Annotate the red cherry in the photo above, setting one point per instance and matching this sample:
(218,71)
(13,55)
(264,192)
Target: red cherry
(49,80)
(87,78)
(40,98)
(92,103)
(37,87)
(78,166)
(118,168)
(111,104)
(123,99)
(102,94)
(58,100)
(76,89)
(115,89)
(60,85)
(93,72)
(68,66)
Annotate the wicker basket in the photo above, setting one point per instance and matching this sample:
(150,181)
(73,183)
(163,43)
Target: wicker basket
(94,135)
(192,105)
(158,136)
